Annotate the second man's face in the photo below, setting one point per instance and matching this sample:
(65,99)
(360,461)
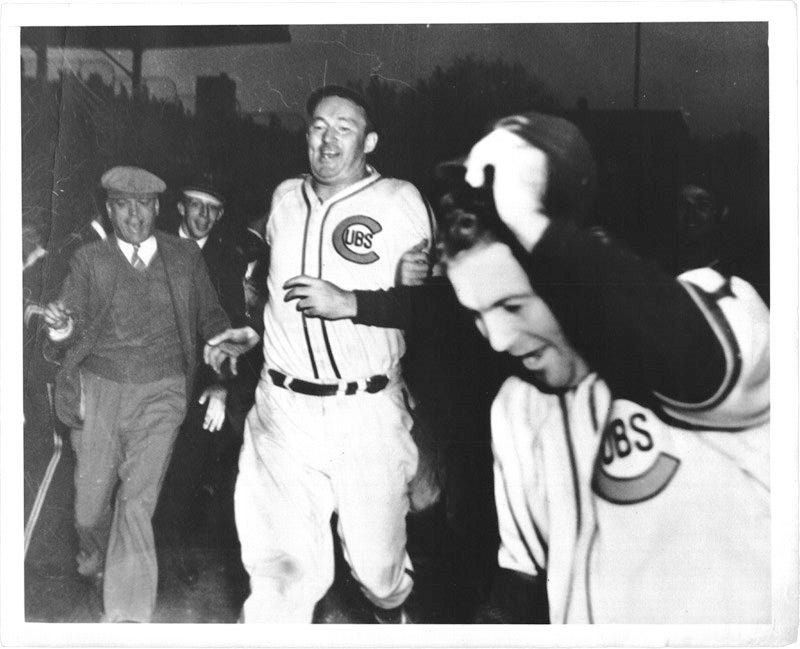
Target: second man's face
(338,143)
(490,283)
(133,217)
(199,213)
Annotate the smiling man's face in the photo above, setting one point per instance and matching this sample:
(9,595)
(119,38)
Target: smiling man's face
(338,143)
(132,216)
(489,282)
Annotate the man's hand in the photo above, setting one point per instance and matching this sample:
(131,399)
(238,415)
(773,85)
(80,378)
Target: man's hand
(415,265)
(230,344)
(520,181)
(318,298)
(56,315)
(215,411)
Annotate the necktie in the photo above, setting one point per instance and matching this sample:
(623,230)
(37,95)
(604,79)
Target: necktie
(136,260)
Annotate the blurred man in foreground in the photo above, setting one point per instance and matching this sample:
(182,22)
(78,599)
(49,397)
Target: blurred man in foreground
(631,451)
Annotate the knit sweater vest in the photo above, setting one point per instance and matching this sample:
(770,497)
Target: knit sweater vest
(140,341)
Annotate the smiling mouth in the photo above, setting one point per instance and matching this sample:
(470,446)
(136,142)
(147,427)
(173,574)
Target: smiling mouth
(532,360)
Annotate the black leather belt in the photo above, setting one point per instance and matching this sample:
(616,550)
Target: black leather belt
(371,385)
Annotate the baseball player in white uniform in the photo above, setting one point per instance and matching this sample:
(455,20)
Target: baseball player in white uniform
(329,431)
(631,453)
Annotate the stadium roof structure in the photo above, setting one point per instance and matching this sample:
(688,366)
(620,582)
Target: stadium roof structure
(140,38)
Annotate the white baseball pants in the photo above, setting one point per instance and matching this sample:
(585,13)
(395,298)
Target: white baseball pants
(303,458)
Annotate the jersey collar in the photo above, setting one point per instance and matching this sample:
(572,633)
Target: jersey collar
(372,176)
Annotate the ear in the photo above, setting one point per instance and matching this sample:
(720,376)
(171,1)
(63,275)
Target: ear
(370,142)
(108,208)
(158,205)
(181,208)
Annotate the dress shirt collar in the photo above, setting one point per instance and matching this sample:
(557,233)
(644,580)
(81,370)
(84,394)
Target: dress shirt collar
(146,249)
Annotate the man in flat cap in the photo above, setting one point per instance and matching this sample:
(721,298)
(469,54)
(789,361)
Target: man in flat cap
(131,315)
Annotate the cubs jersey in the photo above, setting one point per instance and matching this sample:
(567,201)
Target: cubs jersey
(639,516)
(355,239)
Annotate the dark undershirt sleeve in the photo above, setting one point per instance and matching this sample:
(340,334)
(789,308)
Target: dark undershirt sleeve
(633,323)
(402,307)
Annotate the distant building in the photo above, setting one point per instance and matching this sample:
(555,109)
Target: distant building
(215,98)
(288,120)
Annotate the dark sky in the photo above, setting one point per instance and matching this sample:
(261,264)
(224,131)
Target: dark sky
(716,73)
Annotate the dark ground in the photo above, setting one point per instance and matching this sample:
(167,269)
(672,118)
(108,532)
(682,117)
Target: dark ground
(448,584)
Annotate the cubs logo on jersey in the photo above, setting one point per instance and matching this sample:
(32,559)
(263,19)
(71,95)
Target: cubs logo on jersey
(354,238)
(633,464)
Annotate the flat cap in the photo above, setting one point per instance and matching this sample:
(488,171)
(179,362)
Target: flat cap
(133,181)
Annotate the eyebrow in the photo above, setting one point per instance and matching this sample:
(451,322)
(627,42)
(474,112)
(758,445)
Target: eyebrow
(502,300)
(349,120)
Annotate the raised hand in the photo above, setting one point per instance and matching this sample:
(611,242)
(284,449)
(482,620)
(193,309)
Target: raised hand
(520,181)
(230,344)
(56,315)
(318,298)
(415,265)
(215,395)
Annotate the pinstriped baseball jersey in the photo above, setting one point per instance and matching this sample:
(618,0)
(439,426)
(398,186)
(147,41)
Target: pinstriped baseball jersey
(355,239)
(638,516)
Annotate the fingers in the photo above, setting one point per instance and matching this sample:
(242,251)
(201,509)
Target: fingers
(496,149)
(234,342)
(417,256)
(475,175)
(232,366)
(228,334)
(306,305)
(251,337)
(56,315)
(422,245)
(215,356)
(207,353)
(299,280)
(215,416)
(415,264)
(229,344)
(298,292)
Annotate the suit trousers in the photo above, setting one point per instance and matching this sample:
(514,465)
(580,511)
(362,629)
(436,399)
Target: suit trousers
(303,458)
(125,444)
